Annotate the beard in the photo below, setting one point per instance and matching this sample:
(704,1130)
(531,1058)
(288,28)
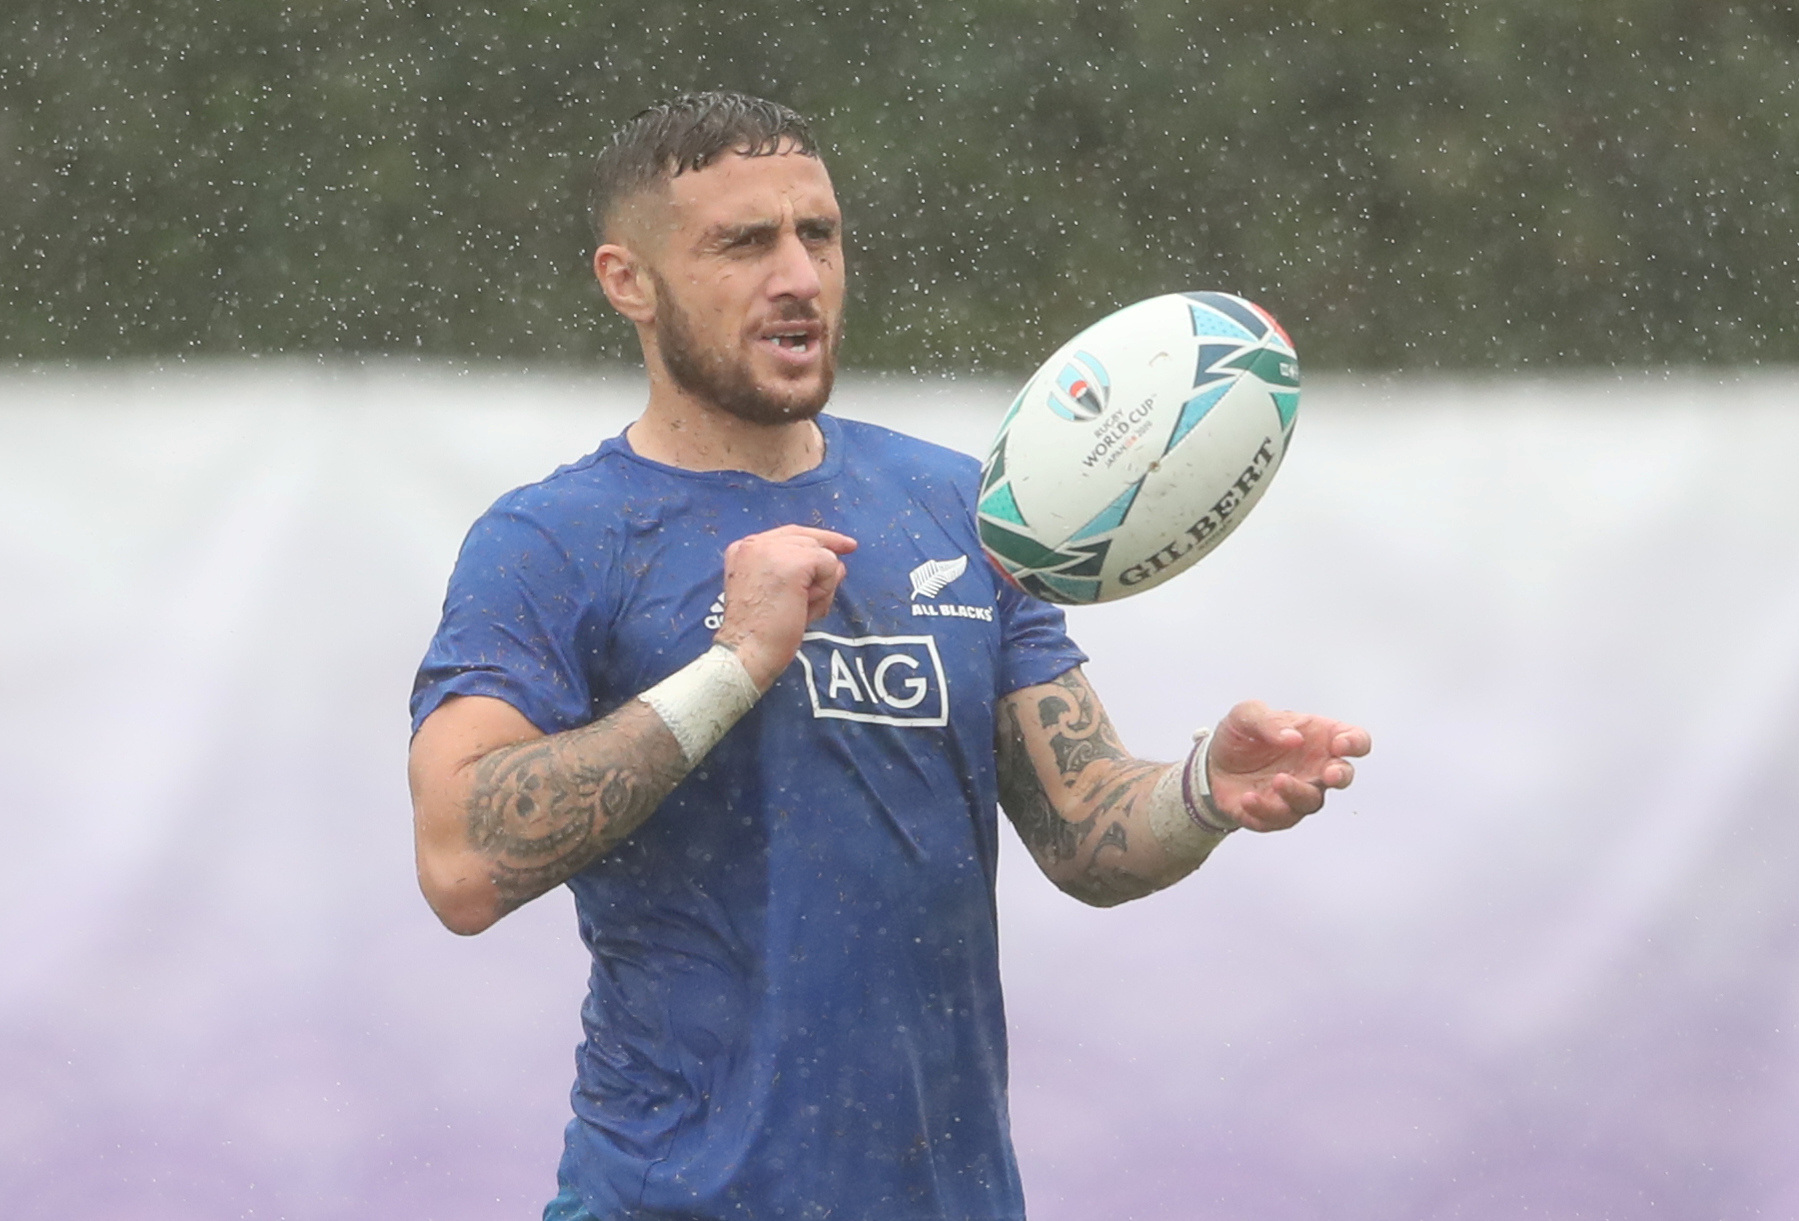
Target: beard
(711,375)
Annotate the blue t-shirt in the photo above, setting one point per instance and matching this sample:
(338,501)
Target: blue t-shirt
(794,1010)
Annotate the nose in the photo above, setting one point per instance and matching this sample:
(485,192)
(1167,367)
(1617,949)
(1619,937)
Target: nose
(793,273)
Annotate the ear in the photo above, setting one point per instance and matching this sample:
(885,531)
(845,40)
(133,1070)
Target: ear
(627,285)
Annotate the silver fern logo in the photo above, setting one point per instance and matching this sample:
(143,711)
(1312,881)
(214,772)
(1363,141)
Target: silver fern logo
(929,578)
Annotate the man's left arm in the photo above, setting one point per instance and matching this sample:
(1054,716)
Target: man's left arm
(1107,827)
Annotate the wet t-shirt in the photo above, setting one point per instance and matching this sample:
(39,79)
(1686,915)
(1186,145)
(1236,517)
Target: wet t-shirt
(794,1009)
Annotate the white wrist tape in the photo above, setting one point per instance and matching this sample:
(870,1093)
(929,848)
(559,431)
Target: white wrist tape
(1181,814)
(703,699)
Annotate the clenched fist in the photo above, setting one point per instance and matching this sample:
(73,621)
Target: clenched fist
(776,583)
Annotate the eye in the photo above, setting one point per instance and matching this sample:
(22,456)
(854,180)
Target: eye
(748,240)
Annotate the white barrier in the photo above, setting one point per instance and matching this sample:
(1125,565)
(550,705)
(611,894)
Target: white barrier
(1538,962)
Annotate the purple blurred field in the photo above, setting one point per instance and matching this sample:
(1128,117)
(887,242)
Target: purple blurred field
(1543,961)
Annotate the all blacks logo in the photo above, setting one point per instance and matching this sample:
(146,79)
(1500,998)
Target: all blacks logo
(1081,389)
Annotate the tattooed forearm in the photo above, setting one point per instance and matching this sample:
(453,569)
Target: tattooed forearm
(1080,732)
(1106,880)
(1088,858)
(1051,838)
(541,811)
(1077,797)
(1123,781)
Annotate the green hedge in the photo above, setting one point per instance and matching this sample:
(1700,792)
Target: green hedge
(1405,184)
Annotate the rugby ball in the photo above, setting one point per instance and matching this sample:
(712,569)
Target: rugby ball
(1137,447)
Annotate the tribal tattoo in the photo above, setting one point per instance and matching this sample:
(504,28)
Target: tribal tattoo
(1052,839)
(1082,731)
(1085,857)
(543,810)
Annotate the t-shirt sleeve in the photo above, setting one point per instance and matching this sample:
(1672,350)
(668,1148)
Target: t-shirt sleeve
(511,625)
(1034,643)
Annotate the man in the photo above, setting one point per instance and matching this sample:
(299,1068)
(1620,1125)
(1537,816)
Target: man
(681,676)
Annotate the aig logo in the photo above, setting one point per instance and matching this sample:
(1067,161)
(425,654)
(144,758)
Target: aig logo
(881,680)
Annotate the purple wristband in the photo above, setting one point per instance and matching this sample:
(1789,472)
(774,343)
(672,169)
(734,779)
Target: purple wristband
(1197,811)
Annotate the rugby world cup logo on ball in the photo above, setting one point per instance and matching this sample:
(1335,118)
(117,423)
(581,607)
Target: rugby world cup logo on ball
(1138,447)
(1080,389)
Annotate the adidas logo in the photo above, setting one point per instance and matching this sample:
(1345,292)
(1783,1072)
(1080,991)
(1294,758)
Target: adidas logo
(715,614)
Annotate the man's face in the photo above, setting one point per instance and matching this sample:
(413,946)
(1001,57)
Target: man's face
(749,286)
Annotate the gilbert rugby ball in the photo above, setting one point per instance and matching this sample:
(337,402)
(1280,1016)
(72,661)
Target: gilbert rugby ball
(1136,448)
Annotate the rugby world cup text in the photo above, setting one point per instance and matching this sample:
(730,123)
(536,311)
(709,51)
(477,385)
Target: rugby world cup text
(1120,431)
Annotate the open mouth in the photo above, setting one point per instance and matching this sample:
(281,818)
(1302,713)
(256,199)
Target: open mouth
(795,339)
(799,338)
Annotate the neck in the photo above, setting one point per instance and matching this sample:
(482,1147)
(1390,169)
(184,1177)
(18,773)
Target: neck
(677,429)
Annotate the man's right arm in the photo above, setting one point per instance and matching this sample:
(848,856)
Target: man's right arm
(503,812)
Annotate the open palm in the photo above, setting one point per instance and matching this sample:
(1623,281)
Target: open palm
(1269,768)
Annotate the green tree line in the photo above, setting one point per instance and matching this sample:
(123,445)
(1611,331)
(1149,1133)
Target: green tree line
(1519,182)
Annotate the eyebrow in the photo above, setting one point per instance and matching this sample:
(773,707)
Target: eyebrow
(729,235)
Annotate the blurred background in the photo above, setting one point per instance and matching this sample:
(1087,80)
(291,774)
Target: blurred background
(1408,184)
(290,292)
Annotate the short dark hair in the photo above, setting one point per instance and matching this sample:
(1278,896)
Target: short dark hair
(686,133)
